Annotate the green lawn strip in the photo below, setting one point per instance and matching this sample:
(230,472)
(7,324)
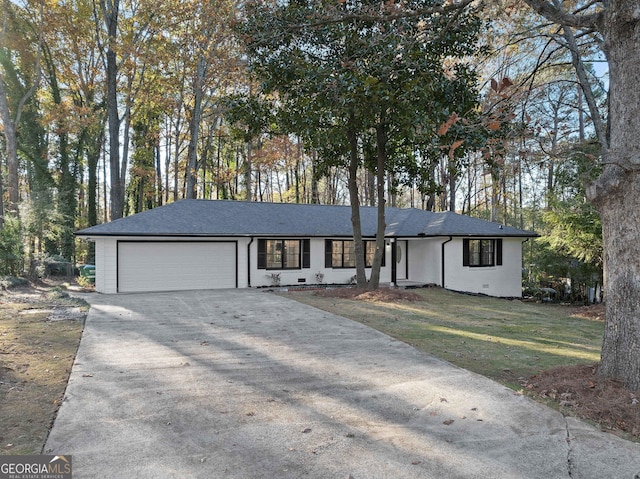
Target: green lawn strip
(505,340)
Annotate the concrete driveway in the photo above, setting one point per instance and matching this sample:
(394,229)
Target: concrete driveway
(246,384)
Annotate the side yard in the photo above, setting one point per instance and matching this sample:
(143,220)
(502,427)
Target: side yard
(547,351)
(40,330)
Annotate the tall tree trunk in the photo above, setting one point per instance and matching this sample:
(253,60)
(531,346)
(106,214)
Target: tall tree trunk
(297,171)
(452,191)
(393,188)
(581,123)
(176,159)
(381,150)
(371,187)
(11,150)
(67,201)
(495,194)
(444,180)
(93,157)
(12,122)
(126,135)
(1,201)
(168,146)
(520,195)
(248,171)
(315,194)
(158,175)
(104,182)
(354,163)
(194,128)
(617,195)
(66,184)
(110,10)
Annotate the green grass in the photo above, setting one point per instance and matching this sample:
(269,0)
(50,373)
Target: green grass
(502,339)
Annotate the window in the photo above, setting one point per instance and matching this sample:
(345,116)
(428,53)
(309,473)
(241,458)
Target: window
(283,254)
(341,254)
(369,253)
(482,252)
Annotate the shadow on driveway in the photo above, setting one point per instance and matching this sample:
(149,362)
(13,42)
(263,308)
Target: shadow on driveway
(245,384)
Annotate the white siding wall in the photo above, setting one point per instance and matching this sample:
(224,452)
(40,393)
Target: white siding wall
(243,262)
(502,281)
(425,263)
(107,257)
(106,266)
(262,277)
(424,266)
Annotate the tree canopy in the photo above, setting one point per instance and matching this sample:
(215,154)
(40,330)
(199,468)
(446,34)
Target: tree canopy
(493,109)
(359,76)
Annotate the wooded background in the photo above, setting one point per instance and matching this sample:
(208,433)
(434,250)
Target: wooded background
(112,107)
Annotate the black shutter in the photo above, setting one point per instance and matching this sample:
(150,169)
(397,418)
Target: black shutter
(465,252)
(328,253)
(306,253)
(262,254)
(499,252)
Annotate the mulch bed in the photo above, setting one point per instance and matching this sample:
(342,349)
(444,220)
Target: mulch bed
(579,389)
(594,311)
(385,295)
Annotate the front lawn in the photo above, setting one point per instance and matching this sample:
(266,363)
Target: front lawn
(546,351)
(506,340)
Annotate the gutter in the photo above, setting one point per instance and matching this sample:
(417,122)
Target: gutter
(444,243)
(249,262)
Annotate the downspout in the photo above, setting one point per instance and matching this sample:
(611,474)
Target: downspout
(450,238)
(249,262)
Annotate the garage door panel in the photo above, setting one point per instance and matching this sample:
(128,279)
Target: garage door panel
(174,266)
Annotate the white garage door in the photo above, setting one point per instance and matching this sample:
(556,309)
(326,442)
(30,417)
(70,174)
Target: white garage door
(174,266)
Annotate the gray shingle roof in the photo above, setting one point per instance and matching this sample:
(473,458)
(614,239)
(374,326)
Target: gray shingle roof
(240,218)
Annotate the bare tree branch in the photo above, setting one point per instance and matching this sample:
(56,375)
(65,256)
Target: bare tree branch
(576,59)
(554,13)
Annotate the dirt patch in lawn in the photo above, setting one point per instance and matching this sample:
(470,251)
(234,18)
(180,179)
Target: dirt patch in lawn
(595,312)
(40,329)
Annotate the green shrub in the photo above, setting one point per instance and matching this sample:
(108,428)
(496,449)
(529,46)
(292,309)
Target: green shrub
(11,252)
(12,281)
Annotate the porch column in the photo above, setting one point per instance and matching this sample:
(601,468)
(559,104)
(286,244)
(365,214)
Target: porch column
(394,257)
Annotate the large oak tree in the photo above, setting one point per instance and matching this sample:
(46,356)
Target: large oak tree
(357,74)
(616,193)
